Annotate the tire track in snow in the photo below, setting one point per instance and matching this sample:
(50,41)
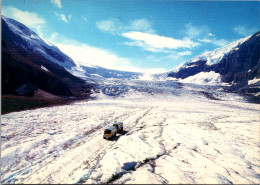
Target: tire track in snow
(138,121)
(68,145)
(94,161)
(97,156)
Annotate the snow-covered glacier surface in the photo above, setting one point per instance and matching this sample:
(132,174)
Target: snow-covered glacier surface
(186,134)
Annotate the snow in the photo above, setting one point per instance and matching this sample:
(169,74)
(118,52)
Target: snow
(146,76)
(213,57)
(36,43)
(254,81)
(44,68)
(211,77)
(168,138)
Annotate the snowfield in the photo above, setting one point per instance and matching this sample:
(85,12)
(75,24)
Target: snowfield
(182,137)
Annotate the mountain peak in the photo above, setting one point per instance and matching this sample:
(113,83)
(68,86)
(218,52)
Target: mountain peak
(215,56)
(237,64)
(24,37)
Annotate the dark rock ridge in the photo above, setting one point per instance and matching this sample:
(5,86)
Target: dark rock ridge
(236,67)
(27,59)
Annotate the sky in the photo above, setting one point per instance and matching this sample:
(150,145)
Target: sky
(136,35)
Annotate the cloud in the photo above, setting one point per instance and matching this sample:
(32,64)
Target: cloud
(178,56)
(244,31)
(156,43)
(57,3)
(62,17)
(108,25)
(203,34)
(117,26)
(142,25)
(193,32)
(217,42)
(30,19)
(184,53)
(220,42)
(89,55)
(85,54)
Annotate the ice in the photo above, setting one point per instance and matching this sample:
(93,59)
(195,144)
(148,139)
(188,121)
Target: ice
(44,68)
(211,77)
(175,136)
(253,81)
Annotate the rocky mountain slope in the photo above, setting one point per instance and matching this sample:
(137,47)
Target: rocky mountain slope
(29,63)
(237,63)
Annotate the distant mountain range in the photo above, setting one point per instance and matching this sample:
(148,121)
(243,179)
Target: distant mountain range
(237,64)
(30,63)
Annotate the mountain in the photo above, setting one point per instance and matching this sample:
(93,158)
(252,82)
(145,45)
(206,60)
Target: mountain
(237,64)
(30,63)
(97,74)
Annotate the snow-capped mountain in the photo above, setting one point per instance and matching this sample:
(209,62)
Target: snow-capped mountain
(236,63)
(29,63)
(25,38)
(212,57)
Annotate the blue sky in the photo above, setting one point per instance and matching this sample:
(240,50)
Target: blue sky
(136,35)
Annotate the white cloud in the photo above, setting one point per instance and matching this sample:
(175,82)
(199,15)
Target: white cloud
(217,42)
(107,25)
(117,26)
(184,53)
(70,16)
(57,3)
(85,54)
(205,40)
(155,70)
(89,55)
(178,56)
(220,42)
(244,31)
(156,43)
(202,34)
(30,19)
(62,17)
(193,32)
(142,25)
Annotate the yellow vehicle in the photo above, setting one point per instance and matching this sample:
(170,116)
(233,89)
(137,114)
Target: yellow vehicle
(110,132)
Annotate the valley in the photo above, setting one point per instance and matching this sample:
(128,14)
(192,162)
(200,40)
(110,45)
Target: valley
(176,135)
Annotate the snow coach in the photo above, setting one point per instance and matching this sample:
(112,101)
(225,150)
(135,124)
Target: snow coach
(119,126)
(110,132)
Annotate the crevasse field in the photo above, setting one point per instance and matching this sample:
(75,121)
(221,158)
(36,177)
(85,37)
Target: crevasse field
(173,133)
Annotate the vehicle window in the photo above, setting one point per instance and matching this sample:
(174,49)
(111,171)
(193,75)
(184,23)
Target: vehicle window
(107,132)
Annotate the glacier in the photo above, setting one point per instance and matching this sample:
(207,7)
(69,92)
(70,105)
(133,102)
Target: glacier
(173,133)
